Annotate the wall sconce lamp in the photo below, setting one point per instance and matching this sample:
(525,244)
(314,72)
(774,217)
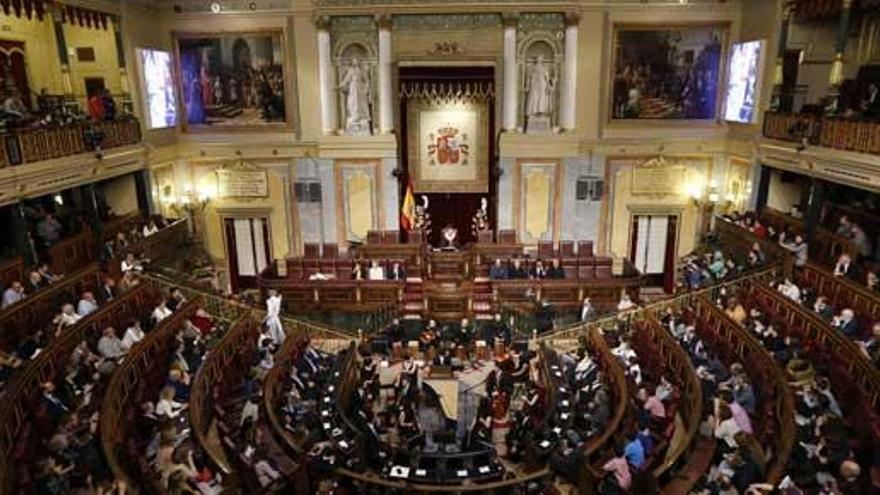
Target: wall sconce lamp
(192,202)
(710,197)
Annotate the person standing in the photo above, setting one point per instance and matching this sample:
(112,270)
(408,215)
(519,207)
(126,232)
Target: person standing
(273,317)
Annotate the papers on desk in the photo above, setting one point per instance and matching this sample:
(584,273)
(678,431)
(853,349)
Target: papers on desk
(336,432)
(326,426)
(544,444)
(325,413)
(557,430)
(421,472)
(564,403)
(462,473)
(343,445)
(483,469)
(563,416)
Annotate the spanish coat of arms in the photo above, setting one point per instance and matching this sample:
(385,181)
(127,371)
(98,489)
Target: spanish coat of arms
(448,146)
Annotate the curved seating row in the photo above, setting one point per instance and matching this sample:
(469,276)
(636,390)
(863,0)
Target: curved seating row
(137,379)
(21,428)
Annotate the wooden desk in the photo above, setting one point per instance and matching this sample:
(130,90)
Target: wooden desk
(449,265)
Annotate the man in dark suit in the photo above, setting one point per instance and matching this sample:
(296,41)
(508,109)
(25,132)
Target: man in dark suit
(847,323)
(394,331)
(108,290)
(498,271)
(823,309)
(396,272)
(846,268)
(555,271)
(516,270)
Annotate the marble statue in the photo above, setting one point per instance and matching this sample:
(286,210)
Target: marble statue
(357,87)
(539,87)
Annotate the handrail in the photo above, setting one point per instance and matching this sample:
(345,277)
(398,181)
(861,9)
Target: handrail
(11,269)
(825,246)
(45,143)
(22,390)
(216,366)
(618,376)
(830,338)
(785,409)
(125,389)
(571,331)
(692,393)
(37,310)
(830,132)
(836,288)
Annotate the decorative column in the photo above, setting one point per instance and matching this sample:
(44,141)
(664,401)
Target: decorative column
(61,46)
(326,78)
(386,107)
(511,88)
(835,78)
(120,56)
(781,102)
(569,73)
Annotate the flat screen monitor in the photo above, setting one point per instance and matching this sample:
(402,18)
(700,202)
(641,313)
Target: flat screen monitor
(743,78)
(157,86)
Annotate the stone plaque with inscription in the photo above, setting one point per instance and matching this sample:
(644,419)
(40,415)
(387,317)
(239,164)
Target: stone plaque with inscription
(657,179)
(233,183)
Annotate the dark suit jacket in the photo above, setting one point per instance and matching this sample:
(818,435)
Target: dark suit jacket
(556,273)
(390,275)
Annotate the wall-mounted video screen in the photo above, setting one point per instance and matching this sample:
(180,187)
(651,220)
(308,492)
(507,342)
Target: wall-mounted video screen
(157,86)
(743,81)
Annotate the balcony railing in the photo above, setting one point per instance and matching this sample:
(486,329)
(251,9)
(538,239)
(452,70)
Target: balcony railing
(843,134)
(45,143)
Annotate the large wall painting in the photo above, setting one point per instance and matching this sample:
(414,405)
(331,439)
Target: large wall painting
(667,73)
(232,80)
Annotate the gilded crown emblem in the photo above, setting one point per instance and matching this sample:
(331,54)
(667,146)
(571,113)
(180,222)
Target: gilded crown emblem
(448,131)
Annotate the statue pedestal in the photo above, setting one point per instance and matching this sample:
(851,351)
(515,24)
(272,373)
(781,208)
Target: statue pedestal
(358,128)
(539,124)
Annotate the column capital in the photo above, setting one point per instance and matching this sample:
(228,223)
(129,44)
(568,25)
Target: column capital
(510,19)
(787,10)
(383,21)
(322,22)
(572,18)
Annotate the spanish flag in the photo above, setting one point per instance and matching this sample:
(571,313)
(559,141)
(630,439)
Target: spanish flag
(408,209)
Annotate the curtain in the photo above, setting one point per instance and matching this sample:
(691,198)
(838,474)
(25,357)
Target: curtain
(650,249)
(13,71)
(244,247)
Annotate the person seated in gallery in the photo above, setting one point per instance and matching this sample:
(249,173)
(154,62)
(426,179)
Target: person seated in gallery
(555,271)
(587,310)
(357,271)
(539,271)
(131,264)
(396,272)
(516,270)
(376,271)
(498,271)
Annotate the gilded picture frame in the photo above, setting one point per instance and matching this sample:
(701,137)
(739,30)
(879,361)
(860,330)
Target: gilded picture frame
(281,118)
(617,94)
(459,141)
